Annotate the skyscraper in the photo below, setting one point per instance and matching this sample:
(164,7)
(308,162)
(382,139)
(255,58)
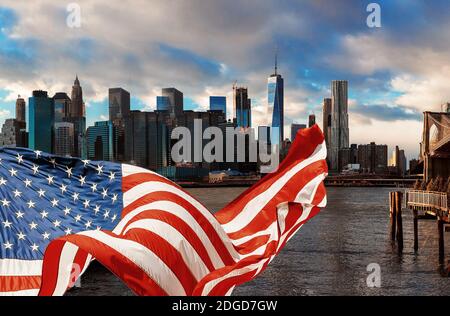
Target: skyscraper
(41,120)
(175,100)
(242,107)
(64,139)
(311,120)
(339,122)
(62,106)
(119,111)
(275,98)
(162,103)
(326,127)
(217,103)
(20,109)
(100,141)
(77,108)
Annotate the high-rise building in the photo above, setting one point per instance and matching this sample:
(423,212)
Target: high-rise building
(275,88)
(398,160)
(119,111)
(326,125)
(175,101)
(100,141)
(162,103)
(41,120)
(295,128)
(373,158)
(119,104)
(64,139)
(218,103)
(242,107)
(62,106)
(77,107)
(339,122)
(311,120)
(13,133)
(20,109)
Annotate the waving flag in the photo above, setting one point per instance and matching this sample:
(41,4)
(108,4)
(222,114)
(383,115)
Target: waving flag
(154,236)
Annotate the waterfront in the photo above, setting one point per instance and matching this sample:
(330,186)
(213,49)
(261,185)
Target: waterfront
(329,255)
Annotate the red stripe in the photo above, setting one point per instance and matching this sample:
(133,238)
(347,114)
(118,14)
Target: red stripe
(167,253)
(184,229)
(206,225)
(19,283)
(50,267)
(132,180)
(252,244)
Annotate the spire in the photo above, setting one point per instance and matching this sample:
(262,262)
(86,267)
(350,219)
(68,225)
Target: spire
(276,61)
(77,82)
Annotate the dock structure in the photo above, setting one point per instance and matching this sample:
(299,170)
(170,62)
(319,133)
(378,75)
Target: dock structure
(430,197)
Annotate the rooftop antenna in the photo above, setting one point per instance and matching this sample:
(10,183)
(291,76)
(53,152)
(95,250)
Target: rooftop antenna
(276,60)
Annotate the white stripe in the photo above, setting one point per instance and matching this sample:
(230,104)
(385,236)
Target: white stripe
(177,240)
(66,260)
(308,192)
(128,170)
(16,267)
(184,215)
(31,292)
(253,207)
(145,259)
(145,188)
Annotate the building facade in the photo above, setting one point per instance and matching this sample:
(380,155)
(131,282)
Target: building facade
(373,158)
(339,136)
(242,107)
(311,120)
(275,97)
(119,111)
(218,103)
(64,139)
(41,121)
(175,101)
(295,128)
(100,141)
(20,109)
(13,133)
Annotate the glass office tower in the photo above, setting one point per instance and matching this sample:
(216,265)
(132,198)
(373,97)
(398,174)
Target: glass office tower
(217,103)
(276,107)
(41,119)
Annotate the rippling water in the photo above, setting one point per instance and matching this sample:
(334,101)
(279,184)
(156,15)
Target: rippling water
(330,254)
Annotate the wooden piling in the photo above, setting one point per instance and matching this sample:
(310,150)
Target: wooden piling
(398,206)
(441,240)
(416,230)
(392,214)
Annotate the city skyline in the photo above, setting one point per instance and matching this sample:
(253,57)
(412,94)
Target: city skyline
(392,79)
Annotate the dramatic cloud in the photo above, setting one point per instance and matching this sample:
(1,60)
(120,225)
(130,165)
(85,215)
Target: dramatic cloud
(202,47)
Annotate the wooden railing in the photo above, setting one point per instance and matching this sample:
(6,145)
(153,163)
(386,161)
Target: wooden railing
(427,200)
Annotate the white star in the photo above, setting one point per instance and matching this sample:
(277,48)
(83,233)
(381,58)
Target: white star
(35,169)
(27,182)
(46,235)
(88,224)
(44,213)
(78,218)
(7,224)
(75,196)
(99,169)
(50,179)
(31,204)
(54,202)
(38,153)
(86,203)
(2,181)
(85,162)
(63,188)
(96,209)
(19,214)
(99,227)
(68,171)
(106,215)
(113,218)
(8,245)
(33,225)
(17,193)
(19,159)
(41,193)
(56,223)
(21,236)
(34,247)
(112,176)
(68,231)
(13,172)
(5,202)
(82,180)
(105,192)
(94,187)
(114,198)
(53,162)
(67,210)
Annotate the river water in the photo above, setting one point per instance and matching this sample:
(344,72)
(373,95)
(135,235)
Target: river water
(330,254)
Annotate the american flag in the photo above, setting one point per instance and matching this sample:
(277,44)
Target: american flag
(58,214)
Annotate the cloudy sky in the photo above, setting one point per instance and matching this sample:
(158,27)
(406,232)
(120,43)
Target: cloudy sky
(202,46)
